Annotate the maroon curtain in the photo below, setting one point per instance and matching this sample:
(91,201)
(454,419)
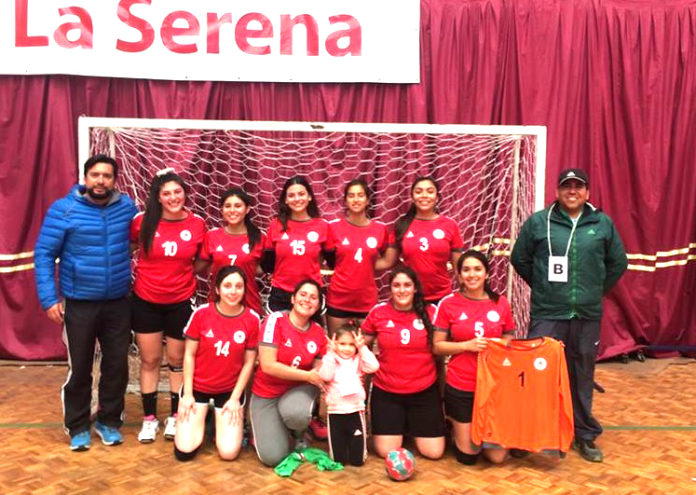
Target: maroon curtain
(612,81)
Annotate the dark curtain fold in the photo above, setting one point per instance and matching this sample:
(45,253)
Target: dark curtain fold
(613,81)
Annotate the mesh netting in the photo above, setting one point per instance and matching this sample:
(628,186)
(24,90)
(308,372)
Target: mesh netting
(486,181)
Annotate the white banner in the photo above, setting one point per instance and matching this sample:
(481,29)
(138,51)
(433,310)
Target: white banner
(214,40)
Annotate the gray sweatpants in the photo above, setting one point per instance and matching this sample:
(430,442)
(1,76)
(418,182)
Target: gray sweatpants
(274,420)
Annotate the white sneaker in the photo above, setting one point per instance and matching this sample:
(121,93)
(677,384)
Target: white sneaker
(149,430)
(170,428)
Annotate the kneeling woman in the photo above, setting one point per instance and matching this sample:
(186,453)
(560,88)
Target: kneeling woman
(221,341)
(464,321)
(405,399)
(287,383)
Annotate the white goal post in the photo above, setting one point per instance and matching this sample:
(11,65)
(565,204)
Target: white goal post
(491,178)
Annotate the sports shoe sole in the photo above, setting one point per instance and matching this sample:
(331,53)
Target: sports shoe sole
(80,448)
(116,442)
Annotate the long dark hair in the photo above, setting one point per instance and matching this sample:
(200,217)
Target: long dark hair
(316,317)
(472,253)
(403,223)
(359,181)
(253,232)
(284,210)
(419,304)
(224,272)
(153,208)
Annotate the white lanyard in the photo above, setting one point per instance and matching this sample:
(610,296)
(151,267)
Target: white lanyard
(548,232)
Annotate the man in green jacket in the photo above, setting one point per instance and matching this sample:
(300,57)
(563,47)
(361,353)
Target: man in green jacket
(571,255)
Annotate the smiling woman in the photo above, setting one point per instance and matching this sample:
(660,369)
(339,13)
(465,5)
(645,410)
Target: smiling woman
(404,397)
(221,341)
(296,239)
(357,242)
(426,240)
(464,322)
(286,384)
(167,238)
(238,243)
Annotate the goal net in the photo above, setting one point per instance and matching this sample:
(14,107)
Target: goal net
(490,177)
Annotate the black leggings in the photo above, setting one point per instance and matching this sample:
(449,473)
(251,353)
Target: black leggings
(347,440)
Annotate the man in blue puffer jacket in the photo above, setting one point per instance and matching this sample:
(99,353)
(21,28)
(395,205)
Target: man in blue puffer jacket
(88,230)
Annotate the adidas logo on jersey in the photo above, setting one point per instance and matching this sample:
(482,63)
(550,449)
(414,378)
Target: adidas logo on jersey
(285,237)
(463,316)
(219,248)
(157,234)
(288,343)
(210,333)
(357,433)
(410,234)
(507,362)
(390,324)
(345,242)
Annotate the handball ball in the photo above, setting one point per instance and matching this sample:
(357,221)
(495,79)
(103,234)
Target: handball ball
(400,464)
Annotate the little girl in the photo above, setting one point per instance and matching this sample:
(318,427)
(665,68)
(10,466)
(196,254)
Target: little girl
(343,367)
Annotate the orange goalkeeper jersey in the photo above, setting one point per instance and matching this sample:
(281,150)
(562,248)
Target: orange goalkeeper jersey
(522,397)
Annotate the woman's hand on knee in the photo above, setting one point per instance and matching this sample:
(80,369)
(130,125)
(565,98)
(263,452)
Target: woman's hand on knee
(187,406)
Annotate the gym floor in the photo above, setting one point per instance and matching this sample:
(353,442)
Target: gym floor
(649,443)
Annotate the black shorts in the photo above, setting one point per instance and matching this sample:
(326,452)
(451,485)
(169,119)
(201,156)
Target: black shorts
(279,300)
(218,399)
(459,404)
(151,317)
(419,414)
(342,313)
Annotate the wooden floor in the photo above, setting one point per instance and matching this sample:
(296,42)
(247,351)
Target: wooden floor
(648,410)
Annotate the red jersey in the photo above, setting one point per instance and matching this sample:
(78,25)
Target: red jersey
(165,274)
(426,247)
(522,397)
(353,286)
(295,348)
(406,362)
(225,249)
(297,251)
(464,319)
(222,343)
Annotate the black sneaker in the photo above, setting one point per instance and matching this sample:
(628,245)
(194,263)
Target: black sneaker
(519,453)
(588,450)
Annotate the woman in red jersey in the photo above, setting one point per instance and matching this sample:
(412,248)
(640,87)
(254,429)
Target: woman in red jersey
(357,244)
(464,321)
(221,342)
(404,399)
(168,238)
(287,382)
(239,243)
(295,241)
(426,240)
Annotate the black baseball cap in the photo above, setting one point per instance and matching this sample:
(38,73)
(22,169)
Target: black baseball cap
(575,174)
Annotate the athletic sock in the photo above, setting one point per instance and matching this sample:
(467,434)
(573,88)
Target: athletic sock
(175,402)
(149,404)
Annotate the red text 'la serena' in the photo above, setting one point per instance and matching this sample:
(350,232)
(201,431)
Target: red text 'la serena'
(345,39)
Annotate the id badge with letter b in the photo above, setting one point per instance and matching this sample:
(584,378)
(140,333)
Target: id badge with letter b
(558,269)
